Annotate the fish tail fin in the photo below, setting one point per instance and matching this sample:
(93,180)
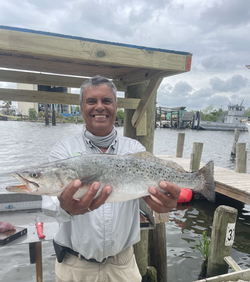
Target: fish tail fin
(207,174)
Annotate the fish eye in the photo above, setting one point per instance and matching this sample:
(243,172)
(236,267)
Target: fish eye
(34,175)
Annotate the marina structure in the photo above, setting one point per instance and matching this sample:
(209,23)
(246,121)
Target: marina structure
(138,70)
(43,58)
(176,117)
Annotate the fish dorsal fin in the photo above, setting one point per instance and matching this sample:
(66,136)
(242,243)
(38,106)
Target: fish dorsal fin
(174,165)
(144,155)
(149,156)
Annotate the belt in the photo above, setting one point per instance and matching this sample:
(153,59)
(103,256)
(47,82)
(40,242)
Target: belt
(82,257)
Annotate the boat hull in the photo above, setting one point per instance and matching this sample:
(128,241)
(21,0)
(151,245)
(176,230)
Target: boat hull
(209,125)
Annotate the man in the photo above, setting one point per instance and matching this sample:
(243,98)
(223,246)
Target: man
(95,239)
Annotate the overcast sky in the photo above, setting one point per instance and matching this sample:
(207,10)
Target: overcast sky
(216,32)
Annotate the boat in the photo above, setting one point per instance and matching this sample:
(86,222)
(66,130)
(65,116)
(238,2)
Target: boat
(234,119)
(248,126)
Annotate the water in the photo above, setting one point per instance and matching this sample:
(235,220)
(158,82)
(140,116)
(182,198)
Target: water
(25,143)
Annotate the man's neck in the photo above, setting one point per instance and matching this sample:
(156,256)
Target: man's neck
(104,150)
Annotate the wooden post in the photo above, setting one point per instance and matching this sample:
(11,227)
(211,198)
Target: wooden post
(158,251)
(141,253)
(196,156)
(236,138)
(46,114)
(39,265)
(53,115)
(180,145)
(160,117)
(221,240)
(135,91)
(35,250)
(241,158)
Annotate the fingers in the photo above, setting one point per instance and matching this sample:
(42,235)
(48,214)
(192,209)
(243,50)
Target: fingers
(101,199)
(163,201)
(89,202)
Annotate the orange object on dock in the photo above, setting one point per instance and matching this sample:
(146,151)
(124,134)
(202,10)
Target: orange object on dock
(185,195)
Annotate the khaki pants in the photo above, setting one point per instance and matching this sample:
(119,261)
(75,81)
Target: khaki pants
(120,268)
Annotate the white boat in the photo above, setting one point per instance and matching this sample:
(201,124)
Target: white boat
(248,126)
(234,119)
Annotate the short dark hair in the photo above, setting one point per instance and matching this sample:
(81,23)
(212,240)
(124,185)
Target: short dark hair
(96,81)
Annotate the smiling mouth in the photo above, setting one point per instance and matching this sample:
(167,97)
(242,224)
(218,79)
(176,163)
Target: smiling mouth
(99,116)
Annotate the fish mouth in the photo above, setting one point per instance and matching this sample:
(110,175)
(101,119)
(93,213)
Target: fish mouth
(23,188)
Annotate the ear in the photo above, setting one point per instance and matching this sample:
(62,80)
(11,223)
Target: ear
(82,111)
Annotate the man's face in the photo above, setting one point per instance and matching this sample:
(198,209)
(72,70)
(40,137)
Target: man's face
(99,109)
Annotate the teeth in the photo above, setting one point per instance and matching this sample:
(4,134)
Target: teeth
(99,116)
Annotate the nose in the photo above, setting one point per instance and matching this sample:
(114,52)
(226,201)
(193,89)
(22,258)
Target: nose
(99,106)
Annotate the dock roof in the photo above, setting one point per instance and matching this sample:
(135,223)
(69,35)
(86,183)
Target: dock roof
(43,58)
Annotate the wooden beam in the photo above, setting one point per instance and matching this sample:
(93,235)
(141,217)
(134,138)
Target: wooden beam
(141,76)
(127,103)
(17,76)
(227,190)
(146,99)
(41,78)
(39,96)
(55,98)
(48,45)
(141,129)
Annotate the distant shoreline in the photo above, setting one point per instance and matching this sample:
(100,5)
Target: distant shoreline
(25,118)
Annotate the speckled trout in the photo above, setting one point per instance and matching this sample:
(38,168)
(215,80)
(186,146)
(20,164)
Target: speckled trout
(129,175)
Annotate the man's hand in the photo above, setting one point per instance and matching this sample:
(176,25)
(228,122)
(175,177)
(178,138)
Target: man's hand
(88,202)
(163,202)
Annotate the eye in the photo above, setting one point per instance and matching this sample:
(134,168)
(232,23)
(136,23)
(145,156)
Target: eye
(107,101)
(34,175)
(90,101)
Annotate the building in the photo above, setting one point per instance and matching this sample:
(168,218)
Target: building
(24,107)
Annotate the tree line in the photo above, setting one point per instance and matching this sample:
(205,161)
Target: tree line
(211,113)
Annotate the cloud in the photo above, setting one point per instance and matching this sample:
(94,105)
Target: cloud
(173,96)
(226,14)
(218,93)
(235,83)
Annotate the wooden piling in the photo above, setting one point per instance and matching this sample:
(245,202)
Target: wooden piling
(221,240)
(135,91)
(180,145)
(241,158)
(46,114)
(158,251)
(39,265)
(196,156)
(35,251)
(141,253)
(236,138)
(53,115)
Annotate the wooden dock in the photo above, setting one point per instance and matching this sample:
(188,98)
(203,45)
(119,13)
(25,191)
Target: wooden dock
(227,182)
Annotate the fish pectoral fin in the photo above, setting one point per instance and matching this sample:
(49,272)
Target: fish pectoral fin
(91,178)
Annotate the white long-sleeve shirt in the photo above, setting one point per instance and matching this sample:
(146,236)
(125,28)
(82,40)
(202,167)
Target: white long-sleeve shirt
(107,230)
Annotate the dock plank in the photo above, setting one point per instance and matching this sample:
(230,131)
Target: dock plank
(227,182)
